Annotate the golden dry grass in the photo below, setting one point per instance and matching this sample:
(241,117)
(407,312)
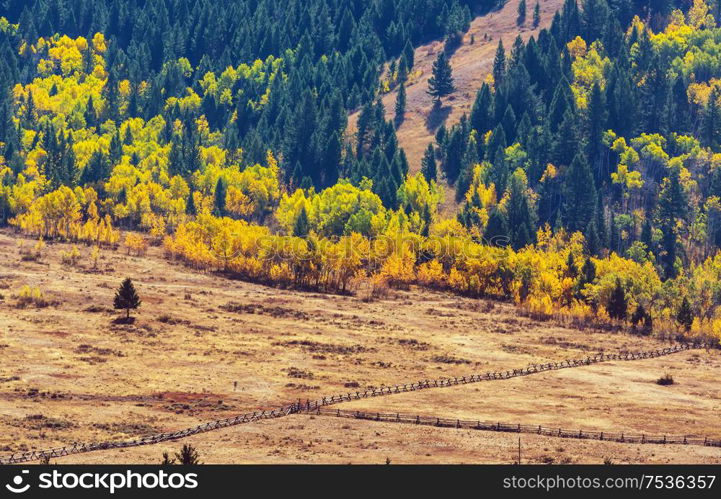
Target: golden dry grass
(68,373)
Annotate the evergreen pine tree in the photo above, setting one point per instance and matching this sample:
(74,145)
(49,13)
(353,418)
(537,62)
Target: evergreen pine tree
(617,303)
(497,232)
(126,297)
(219,197)
(588,271)
(499,65)
(480,119)
(428,164)
(537,14)
(566,145)
(520,214)
(190,205)
(579,196)
(596,129)
(672,206)
(638,315)
(441,83)
(408,55)
(685,315)
(641,316)
(188,455)
(91,117)
(521,19)
(301,226)
(400,103)
(594,19)
(593,242)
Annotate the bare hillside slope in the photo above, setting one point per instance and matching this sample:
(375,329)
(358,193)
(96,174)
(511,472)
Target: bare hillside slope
(471,65)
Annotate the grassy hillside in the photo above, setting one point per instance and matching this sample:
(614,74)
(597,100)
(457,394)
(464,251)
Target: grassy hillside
(72,373)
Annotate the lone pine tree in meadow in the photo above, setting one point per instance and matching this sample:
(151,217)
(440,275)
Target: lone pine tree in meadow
(441,83)
(126,297)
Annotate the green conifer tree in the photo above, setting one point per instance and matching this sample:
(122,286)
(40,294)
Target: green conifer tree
(617,303)
(685,314)
(440,83)
(521,19)
(126,297)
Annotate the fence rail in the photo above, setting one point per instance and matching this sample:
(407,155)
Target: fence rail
(520,428)
(315,406)
(494,375)
(80,448)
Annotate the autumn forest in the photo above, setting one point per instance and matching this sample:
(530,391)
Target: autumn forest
(584,185)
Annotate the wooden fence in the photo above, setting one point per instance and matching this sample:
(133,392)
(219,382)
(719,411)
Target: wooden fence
(315,406)
(495,375)
(621,437)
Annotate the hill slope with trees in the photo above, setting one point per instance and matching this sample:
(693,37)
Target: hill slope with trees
(587,170)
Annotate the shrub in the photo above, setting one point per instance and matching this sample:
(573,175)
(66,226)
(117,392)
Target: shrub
(30,296)
(431,274)
(70,257)
(136,243)
(379,287)
(665,380)
(95,256)
(34,254)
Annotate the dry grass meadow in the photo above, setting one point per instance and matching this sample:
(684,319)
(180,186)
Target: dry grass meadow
(205,347)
